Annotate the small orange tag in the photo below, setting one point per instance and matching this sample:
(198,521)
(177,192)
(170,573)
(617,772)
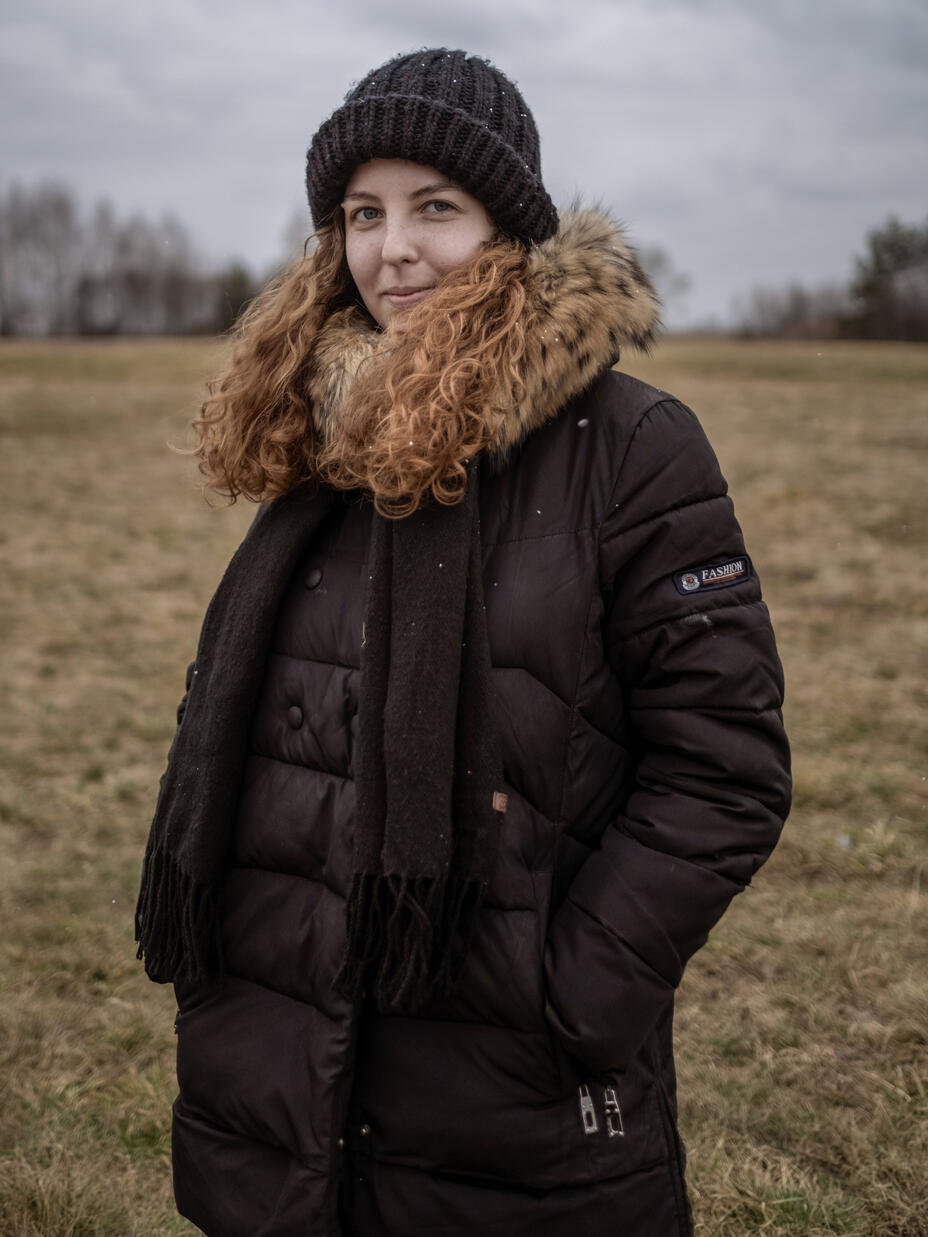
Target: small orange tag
(500,801)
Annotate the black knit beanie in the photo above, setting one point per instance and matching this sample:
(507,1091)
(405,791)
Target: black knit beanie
(450,111)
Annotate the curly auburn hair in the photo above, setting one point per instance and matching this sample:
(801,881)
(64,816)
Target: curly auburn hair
(432,393)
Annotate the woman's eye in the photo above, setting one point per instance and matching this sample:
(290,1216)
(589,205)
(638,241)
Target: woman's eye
(366,214)
(440,208)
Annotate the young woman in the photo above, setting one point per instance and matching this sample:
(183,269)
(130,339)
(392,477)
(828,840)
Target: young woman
(483,732)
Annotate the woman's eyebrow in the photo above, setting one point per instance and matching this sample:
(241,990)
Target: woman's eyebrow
(434,188)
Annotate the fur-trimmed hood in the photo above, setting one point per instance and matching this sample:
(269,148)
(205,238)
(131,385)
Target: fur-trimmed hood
(587,296)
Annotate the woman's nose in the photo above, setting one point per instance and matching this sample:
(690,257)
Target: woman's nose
(398,243)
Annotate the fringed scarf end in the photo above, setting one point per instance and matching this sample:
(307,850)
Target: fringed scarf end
(176,924)
(407,938)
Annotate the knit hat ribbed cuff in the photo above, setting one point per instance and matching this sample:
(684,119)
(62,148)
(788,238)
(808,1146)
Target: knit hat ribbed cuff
(489,149)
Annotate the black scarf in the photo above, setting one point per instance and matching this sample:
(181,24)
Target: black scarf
(428,773)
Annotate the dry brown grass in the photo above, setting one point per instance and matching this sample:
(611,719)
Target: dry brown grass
(803,1024)
(108,558)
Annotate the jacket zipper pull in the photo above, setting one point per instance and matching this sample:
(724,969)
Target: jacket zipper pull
(587,1111)
(614,1123)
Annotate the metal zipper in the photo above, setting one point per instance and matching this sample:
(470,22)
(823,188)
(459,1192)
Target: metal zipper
(615,1126)
(587,1111)
(614,1123)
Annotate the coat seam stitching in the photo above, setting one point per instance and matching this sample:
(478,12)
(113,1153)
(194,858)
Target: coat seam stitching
(688,618)
(699,501)
(622,941)
(566,532)
(296,764)
(655,850)
(639,424)
(740,710)
(574,710)
(594,594)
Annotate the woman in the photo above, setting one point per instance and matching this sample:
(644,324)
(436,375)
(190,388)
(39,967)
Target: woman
(483,732)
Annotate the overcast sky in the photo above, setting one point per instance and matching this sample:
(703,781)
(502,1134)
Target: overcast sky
(755,140)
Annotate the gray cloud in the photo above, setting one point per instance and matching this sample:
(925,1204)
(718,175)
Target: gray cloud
(755,141)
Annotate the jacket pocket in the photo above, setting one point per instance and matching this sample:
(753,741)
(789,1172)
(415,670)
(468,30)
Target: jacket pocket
(619,1122)
(567,1072)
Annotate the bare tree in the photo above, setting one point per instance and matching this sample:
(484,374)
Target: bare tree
(886,299)
(296,237)
(61,273)
(97,307)
(890,286)
(793,312)
(671,284)
(235,288)
(39,260)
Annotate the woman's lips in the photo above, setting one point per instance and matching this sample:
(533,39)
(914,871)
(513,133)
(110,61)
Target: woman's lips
(400,298)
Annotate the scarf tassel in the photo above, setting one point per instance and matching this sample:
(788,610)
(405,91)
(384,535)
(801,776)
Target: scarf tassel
(407,938)
(176,923)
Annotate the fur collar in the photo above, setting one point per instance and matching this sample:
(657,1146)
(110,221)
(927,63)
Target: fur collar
(585,284)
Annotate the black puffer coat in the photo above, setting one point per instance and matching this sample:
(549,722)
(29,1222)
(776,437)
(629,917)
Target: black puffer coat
(638,693)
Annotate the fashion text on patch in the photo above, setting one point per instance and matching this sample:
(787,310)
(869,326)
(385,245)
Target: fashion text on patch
(713,575)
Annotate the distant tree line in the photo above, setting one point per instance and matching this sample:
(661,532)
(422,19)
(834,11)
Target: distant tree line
(66,273)
(887,297)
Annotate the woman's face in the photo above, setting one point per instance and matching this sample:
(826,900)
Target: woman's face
(407,225)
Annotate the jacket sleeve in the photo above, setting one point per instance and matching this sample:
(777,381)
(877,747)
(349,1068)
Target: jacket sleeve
(703,686)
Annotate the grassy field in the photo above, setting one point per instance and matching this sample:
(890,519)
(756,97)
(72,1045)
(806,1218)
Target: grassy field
(803,1025)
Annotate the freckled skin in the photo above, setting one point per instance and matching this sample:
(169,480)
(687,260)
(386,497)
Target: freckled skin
(407,225)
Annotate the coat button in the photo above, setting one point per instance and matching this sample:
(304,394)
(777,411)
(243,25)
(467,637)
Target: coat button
(295,716)
(365,1131)
(314,579)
